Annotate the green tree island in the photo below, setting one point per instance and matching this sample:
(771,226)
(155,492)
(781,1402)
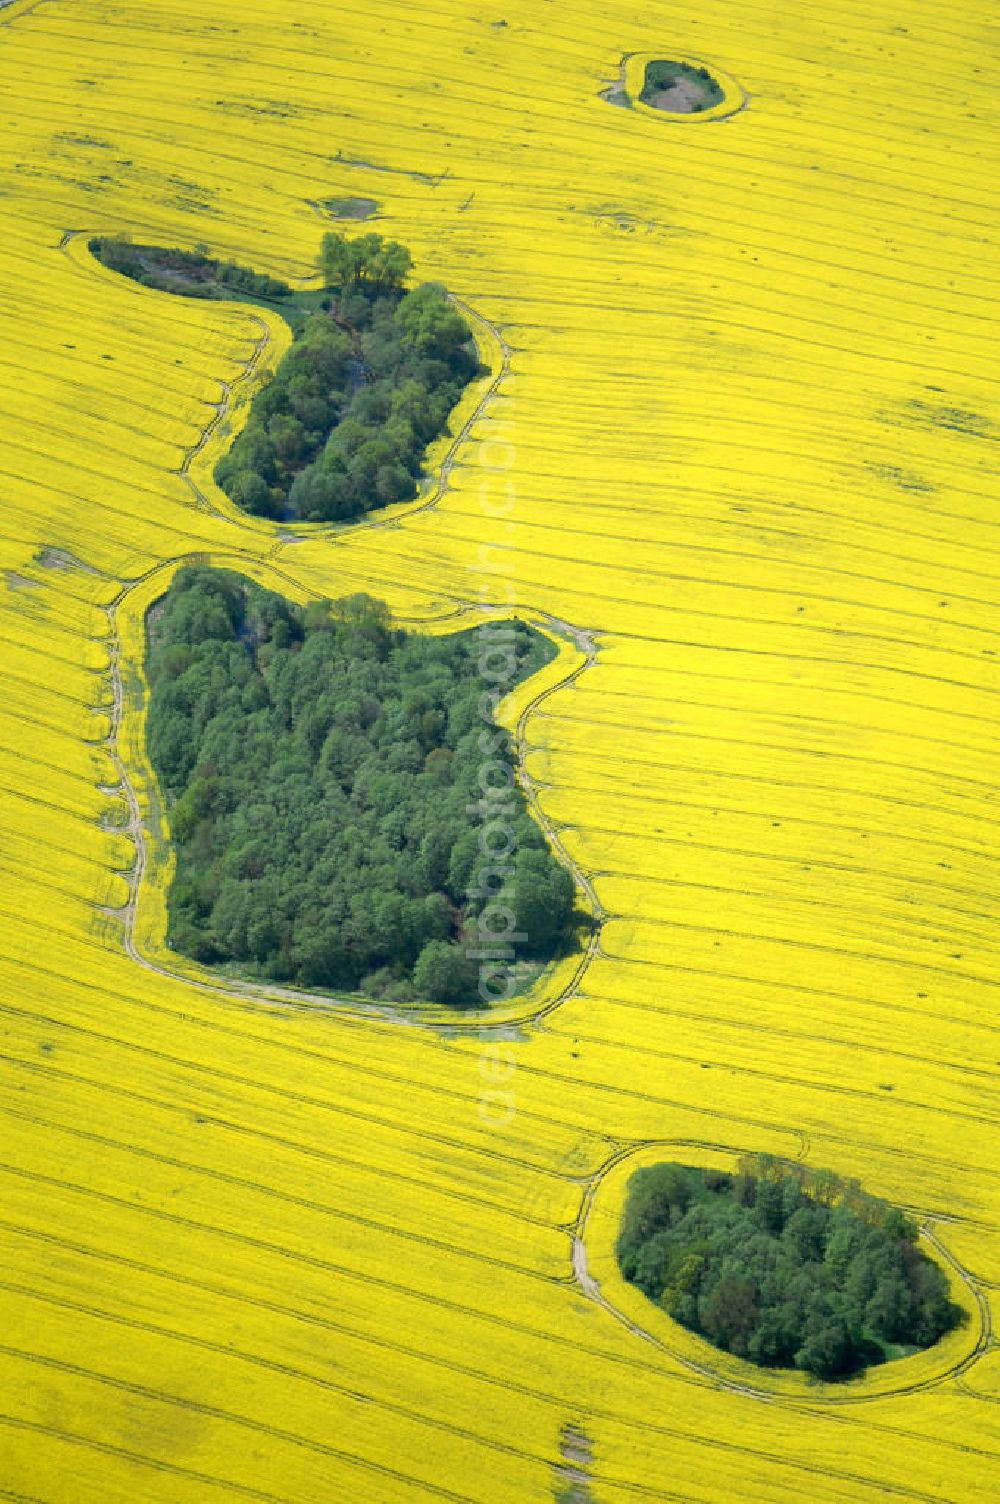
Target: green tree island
(783,1269)
(374,372)
(322,773)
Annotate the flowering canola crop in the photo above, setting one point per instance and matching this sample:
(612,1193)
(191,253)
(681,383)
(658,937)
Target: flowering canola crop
(741,448)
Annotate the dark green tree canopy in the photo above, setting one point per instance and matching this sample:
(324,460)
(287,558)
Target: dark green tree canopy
(782,1268)
(367,258)
(343,424)
(369,384)
(322,773)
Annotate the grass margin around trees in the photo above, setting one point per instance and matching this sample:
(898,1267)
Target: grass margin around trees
(343,424)
(632,82)
(145,915)
(274,338)
(597,1234)
(782,1265)
(323,768)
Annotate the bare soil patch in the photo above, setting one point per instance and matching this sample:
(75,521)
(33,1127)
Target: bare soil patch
(679,88)
(351,208)
(681,98)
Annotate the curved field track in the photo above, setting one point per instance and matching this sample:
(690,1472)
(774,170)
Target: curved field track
(743,448)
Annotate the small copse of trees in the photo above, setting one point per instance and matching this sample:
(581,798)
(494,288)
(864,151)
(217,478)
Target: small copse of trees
(364,261)
(343,425)
(319,767)
(782,1267)
(374,372)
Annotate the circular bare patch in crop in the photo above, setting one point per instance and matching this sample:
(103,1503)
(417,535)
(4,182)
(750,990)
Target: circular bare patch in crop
(351,208)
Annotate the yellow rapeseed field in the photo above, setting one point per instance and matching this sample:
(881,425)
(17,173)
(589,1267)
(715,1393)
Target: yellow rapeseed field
(737,453)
